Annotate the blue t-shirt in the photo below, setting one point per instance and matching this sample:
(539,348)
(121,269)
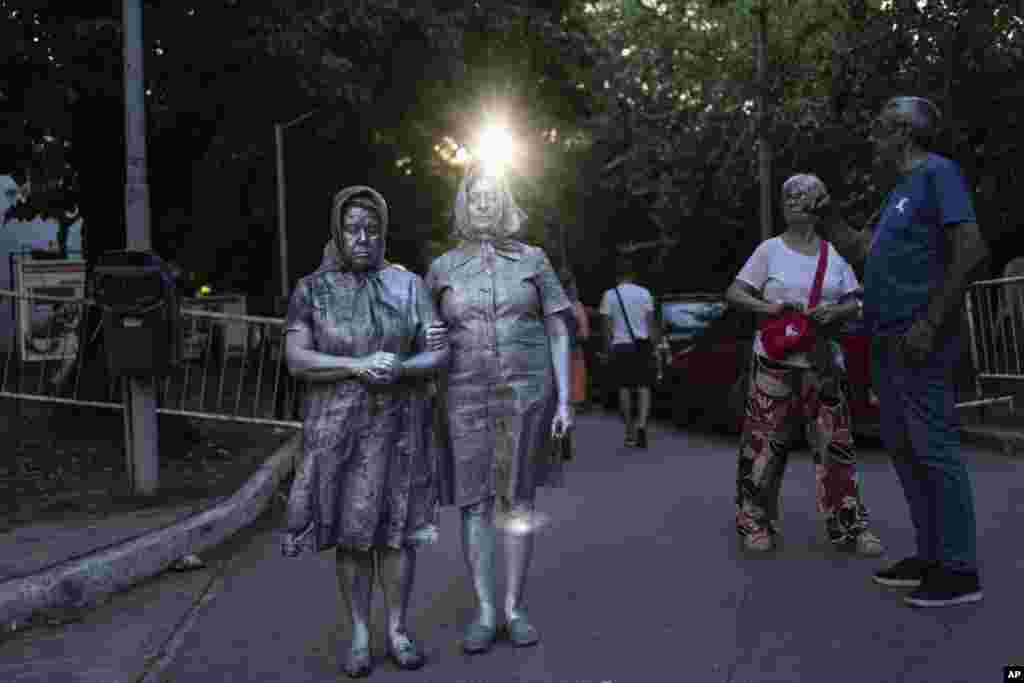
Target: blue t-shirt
(909,255)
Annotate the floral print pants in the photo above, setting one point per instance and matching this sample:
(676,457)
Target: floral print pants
(780,397)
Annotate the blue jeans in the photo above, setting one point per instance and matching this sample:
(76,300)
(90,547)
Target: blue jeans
(920,429)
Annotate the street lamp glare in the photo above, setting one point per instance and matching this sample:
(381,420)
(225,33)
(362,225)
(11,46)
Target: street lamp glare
(495,148)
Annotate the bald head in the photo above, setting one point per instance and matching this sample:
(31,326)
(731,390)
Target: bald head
(921,117)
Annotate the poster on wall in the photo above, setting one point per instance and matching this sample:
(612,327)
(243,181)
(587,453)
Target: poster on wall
(48,330)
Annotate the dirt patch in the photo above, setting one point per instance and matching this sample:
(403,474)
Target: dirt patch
(66,463)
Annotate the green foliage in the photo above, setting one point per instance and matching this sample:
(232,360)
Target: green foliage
(678,122)
(389,80)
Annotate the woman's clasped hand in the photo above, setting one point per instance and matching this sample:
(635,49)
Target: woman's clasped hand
(378,368)
(385,368)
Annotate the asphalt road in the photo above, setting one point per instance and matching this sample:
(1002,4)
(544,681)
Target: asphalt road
(637,577)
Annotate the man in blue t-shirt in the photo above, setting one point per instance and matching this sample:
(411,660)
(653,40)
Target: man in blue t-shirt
(917,262)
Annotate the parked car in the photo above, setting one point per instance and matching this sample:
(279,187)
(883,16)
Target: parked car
(711,347)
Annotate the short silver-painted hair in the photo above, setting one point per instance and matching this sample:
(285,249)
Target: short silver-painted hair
(921,116)
(512,217)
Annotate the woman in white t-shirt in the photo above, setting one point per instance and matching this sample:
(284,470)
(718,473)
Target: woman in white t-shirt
(778,277)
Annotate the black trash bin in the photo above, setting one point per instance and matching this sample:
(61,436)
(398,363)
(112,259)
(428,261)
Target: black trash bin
(141,313)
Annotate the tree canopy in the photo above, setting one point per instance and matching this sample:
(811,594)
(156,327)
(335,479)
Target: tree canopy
(678,128)
(389,81)
(635,118)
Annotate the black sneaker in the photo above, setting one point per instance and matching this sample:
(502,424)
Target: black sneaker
(907,573)
(943,588)
(641,437)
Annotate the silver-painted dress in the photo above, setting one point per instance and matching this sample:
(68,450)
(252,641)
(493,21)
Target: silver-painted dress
(500,393)
(369,476)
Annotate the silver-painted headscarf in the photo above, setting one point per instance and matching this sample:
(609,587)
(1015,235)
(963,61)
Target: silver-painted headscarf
(512,217)
(333,250)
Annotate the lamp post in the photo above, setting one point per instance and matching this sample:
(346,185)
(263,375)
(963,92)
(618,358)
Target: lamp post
(282,219)
(139,392)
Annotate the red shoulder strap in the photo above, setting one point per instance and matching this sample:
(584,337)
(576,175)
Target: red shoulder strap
(819,277)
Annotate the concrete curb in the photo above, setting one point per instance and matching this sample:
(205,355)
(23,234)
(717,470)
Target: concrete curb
(85,581)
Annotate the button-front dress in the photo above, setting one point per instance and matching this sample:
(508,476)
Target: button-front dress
(500,394)
(369,475)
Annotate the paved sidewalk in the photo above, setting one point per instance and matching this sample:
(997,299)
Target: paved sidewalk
(638,577)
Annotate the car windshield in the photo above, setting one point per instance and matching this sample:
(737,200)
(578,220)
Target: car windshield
(687,320)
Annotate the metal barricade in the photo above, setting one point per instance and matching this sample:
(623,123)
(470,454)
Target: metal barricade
(995,320)
(47,349)
(247,382)
(51,355)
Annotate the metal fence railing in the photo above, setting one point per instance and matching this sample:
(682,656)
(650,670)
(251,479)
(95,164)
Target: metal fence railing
(46,352)
(995,320)
(233,367)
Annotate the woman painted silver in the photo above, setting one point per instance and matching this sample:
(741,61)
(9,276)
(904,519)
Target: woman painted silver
(507,393)
(367,485)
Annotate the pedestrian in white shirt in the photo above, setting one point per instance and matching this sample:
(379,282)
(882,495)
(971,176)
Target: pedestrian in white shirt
(631,336)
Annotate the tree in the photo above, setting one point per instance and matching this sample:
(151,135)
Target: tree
(390,78)
(684,135)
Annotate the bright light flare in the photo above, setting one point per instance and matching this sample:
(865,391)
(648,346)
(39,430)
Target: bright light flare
(520,524)
(495,149)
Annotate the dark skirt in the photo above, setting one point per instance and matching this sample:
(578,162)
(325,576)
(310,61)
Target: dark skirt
(632,366)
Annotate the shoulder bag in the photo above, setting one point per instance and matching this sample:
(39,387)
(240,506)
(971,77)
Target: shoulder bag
(792,332)
(643,346)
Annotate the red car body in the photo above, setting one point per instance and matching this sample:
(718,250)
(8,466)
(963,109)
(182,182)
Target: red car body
(705,375)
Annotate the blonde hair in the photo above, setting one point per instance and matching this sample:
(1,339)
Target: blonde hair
(511,219)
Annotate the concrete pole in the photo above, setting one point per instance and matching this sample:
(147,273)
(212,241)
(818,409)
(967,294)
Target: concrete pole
(764,151)
(282,222)
(139,393)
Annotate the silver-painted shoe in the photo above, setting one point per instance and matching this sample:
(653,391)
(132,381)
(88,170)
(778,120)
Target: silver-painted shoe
(479,638)
(406,655)
(521,632)
(359,664)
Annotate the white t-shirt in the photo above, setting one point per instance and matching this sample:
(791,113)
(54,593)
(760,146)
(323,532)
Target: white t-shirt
(783,275)
(638,302)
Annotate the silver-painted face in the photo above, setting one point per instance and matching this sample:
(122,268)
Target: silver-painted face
(485,205)
(362,238)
